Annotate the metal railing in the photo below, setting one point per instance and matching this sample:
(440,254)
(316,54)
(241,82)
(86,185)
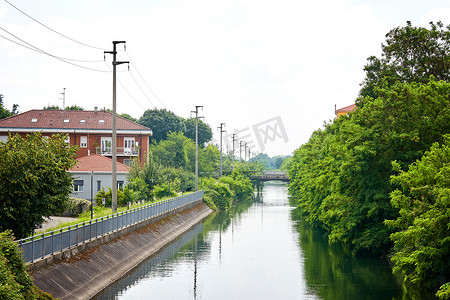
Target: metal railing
(107,151)
(41,245)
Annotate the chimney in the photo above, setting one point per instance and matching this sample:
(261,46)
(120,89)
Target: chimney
(95,108)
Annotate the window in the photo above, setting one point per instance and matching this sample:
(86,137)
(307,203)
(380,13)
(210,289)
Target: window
(3,138)
(78,185)
(101,121)
(82,121)
(83,141)
(119,184)
(66,120)
(127,162)
(68,139)
(99,185)
(128,145)
(33,120)
(106,144)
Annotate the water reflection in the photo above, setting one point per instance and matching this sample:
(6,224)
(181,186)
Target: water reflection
(334,273)
(259,249)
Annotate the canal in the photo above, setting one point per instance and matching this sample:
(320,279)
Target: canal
(257,250)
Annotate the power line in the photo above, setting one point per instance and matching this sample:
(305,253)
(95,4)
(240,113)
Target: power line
(34,48)
(126,90)
(142,78)
(145,95)
(71,39)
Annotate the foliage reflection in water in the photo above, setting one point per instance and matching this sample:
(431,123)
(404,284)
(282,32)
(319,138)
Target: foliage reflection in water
(259,250)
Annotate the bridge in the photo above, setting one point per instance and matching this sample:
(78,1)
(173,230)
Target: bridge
(272,175)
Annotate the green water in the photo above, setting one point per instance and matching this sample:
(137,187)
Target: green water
(260,250)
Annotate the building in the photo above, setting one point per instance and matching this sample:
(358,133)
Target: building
(345,110)
(90,130)
(94,172)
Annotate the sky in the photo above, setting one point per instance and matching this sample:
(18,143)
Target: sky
(271,71)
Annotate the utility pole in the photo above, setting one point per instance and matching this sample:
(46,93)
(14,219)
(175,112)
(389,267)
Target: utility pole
(240,150)
(114,126)
(245,152)
(63,98)
(221,131)
(233,139)
(196,144)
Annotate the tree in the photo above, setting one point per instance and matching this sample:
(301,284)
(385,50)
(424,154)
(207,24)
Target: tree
(341,177)
(34,180)
(411,54)
(204,131)
(4,113)
(174,151)
(422,240)
(74,107)
(15,282)
(161,122)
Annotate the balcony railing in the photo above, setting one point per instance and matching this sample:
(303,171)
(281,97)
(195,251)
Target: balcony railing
(121,151)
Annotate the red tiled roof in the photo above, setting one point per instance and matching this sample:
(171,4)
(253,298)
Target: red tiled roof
(346,109)
(97,163)
(69,119)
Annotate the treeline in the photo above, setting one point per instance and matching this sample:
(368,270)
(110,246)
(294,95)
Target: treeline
(171,169)
(278,162)
(378,179)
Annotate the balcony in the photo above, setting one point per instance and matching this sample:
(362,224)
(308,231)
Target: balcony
(121,151)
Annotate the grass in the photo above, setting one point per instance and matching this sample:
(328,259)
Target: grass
(99,212)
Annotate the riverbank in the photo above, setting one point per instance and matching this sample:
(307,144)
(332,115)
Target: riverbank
(83,275)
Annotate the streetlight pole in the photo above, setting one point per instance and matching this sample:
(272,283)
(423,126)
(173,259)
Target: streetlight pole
(152,189)
(221,131)
(114,126)
(92,200)
(196,145)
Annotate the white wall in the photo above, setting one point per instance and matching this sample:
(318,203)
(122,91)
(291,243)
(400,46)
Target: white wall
(105,178)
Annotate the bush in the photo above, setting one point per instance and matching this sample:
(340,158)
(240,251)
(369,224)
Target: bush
(15,282)
(218,192)
(162,190)
(121,199)
(75,206)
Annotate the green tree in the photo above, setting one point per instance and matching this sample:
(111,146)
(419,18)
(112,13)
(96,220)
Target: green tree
(74,107)
(162,122)
(422,240)
(341,176)
(4,113)
(15,282)
(175,151)
(35,182)
(204,131)
(410,54)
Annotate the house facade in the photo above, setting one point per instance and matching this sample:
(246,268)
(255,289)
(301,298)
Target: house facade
(91,131)
(345,110)
(94,172)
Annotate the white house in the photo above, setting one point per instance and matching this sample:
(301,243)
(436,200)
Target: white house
(94,172)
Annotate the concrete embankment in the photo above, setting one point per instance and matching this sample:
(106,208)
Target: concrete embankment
(83,275)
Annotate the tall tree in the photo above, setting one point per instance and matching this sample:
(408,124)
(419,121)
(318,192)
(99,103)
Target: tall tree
(35,182)
(422,240)
(162,122)
(204,131)
(410,54)
(4,113)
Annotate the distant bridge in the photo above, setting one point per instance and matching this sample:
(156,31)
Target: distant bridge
(272,175)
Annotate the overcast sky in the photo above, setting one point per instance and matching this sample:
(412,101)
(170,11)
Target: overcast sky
(246,62)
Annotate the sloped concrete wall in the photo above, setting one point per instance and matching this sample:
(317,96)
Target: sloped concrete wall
(84,274)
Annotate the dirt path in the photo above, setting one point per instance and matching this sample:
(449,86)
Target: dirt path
(53,222)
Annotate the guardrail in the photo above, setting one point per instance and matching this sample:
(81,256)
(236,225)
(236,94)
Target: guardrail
(38,246)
